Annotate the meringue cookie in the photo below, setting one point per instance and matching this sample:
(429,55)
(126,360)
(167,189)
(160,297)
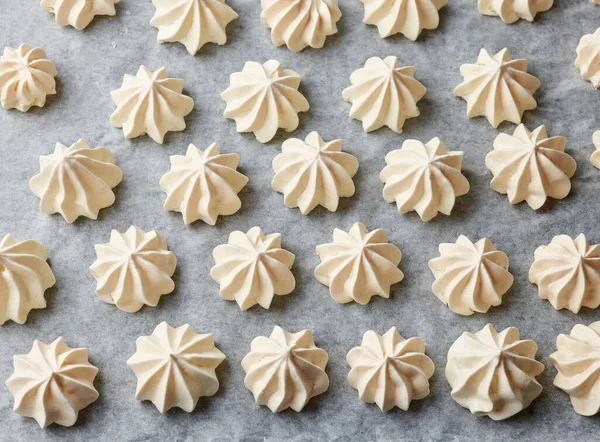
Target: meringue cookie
(389,370)
(384,94)
(24,277)
(175,367)
(576,361)
(263,98)
(79,13)
(52,383)
(192,22)
(150,103)
(203,184)
(493,374)
(588,58)
(133,269)
(512,10)
(252,267)
(567,273)
(595,158)
(470,277)
(26,77)
(406,17)
(76,181)
(497,87)
(312,172)
(285,370)
(425,178)
(300,23)
(529,166)
(358,265)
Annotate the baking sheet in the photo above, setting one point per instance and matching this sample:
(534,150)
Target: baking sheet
(91,63)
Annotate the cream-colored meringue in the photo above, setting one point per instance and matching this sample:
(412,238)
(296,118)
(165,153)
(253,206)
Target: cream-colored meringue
(24,277)
(425,178)
(512,10)
(300,23)
(285,370)
(567,273)
(529,166)
(389,370)
(203,184)
(313,172)
(192,22)
(78,13)
(133,269)
(588,58)
(76,181)
(497,87)
(26,78)
(175,367)
(384,94)
(493,374)
(470,277)
(406,17)
(52,383)
(595,158)
(263,98)
(576,361)
(252,268)
(358,265)
(150,103)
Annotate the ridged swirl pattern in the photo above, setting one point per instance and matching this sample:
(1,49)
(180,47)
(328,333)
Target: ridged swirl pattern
(389,370)
(78,13)
(175,367)
(512,10)
(52,383)
(529,166)
(425,178)
(577,362)
(24,277)
(285,370)
(26,78)
(133,269)
(203,184)
(150,103)
(493,374)
(470,277)
(588,58)
(263,98)
(406,17)
(358,265)
(300,23)
(383,93)
(192,22)
(252,268)
(567,273)
(76,181)
(497,87)
(313,172)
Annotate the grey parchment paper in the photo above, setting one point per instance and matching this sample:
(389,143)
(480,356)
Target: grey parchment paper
(92,62)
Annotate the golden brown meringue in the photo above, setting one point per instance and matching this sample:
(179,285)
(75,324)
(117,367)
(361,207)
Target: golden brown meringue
(497,87)
(512,10)
(358,265)
(384,94)
(285,370)
(493,374)
(567,273)
(300,23)
(389,370)
(78,13)
(529,166)
(470,277)
(588,58)
(313,172)
(425,178)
